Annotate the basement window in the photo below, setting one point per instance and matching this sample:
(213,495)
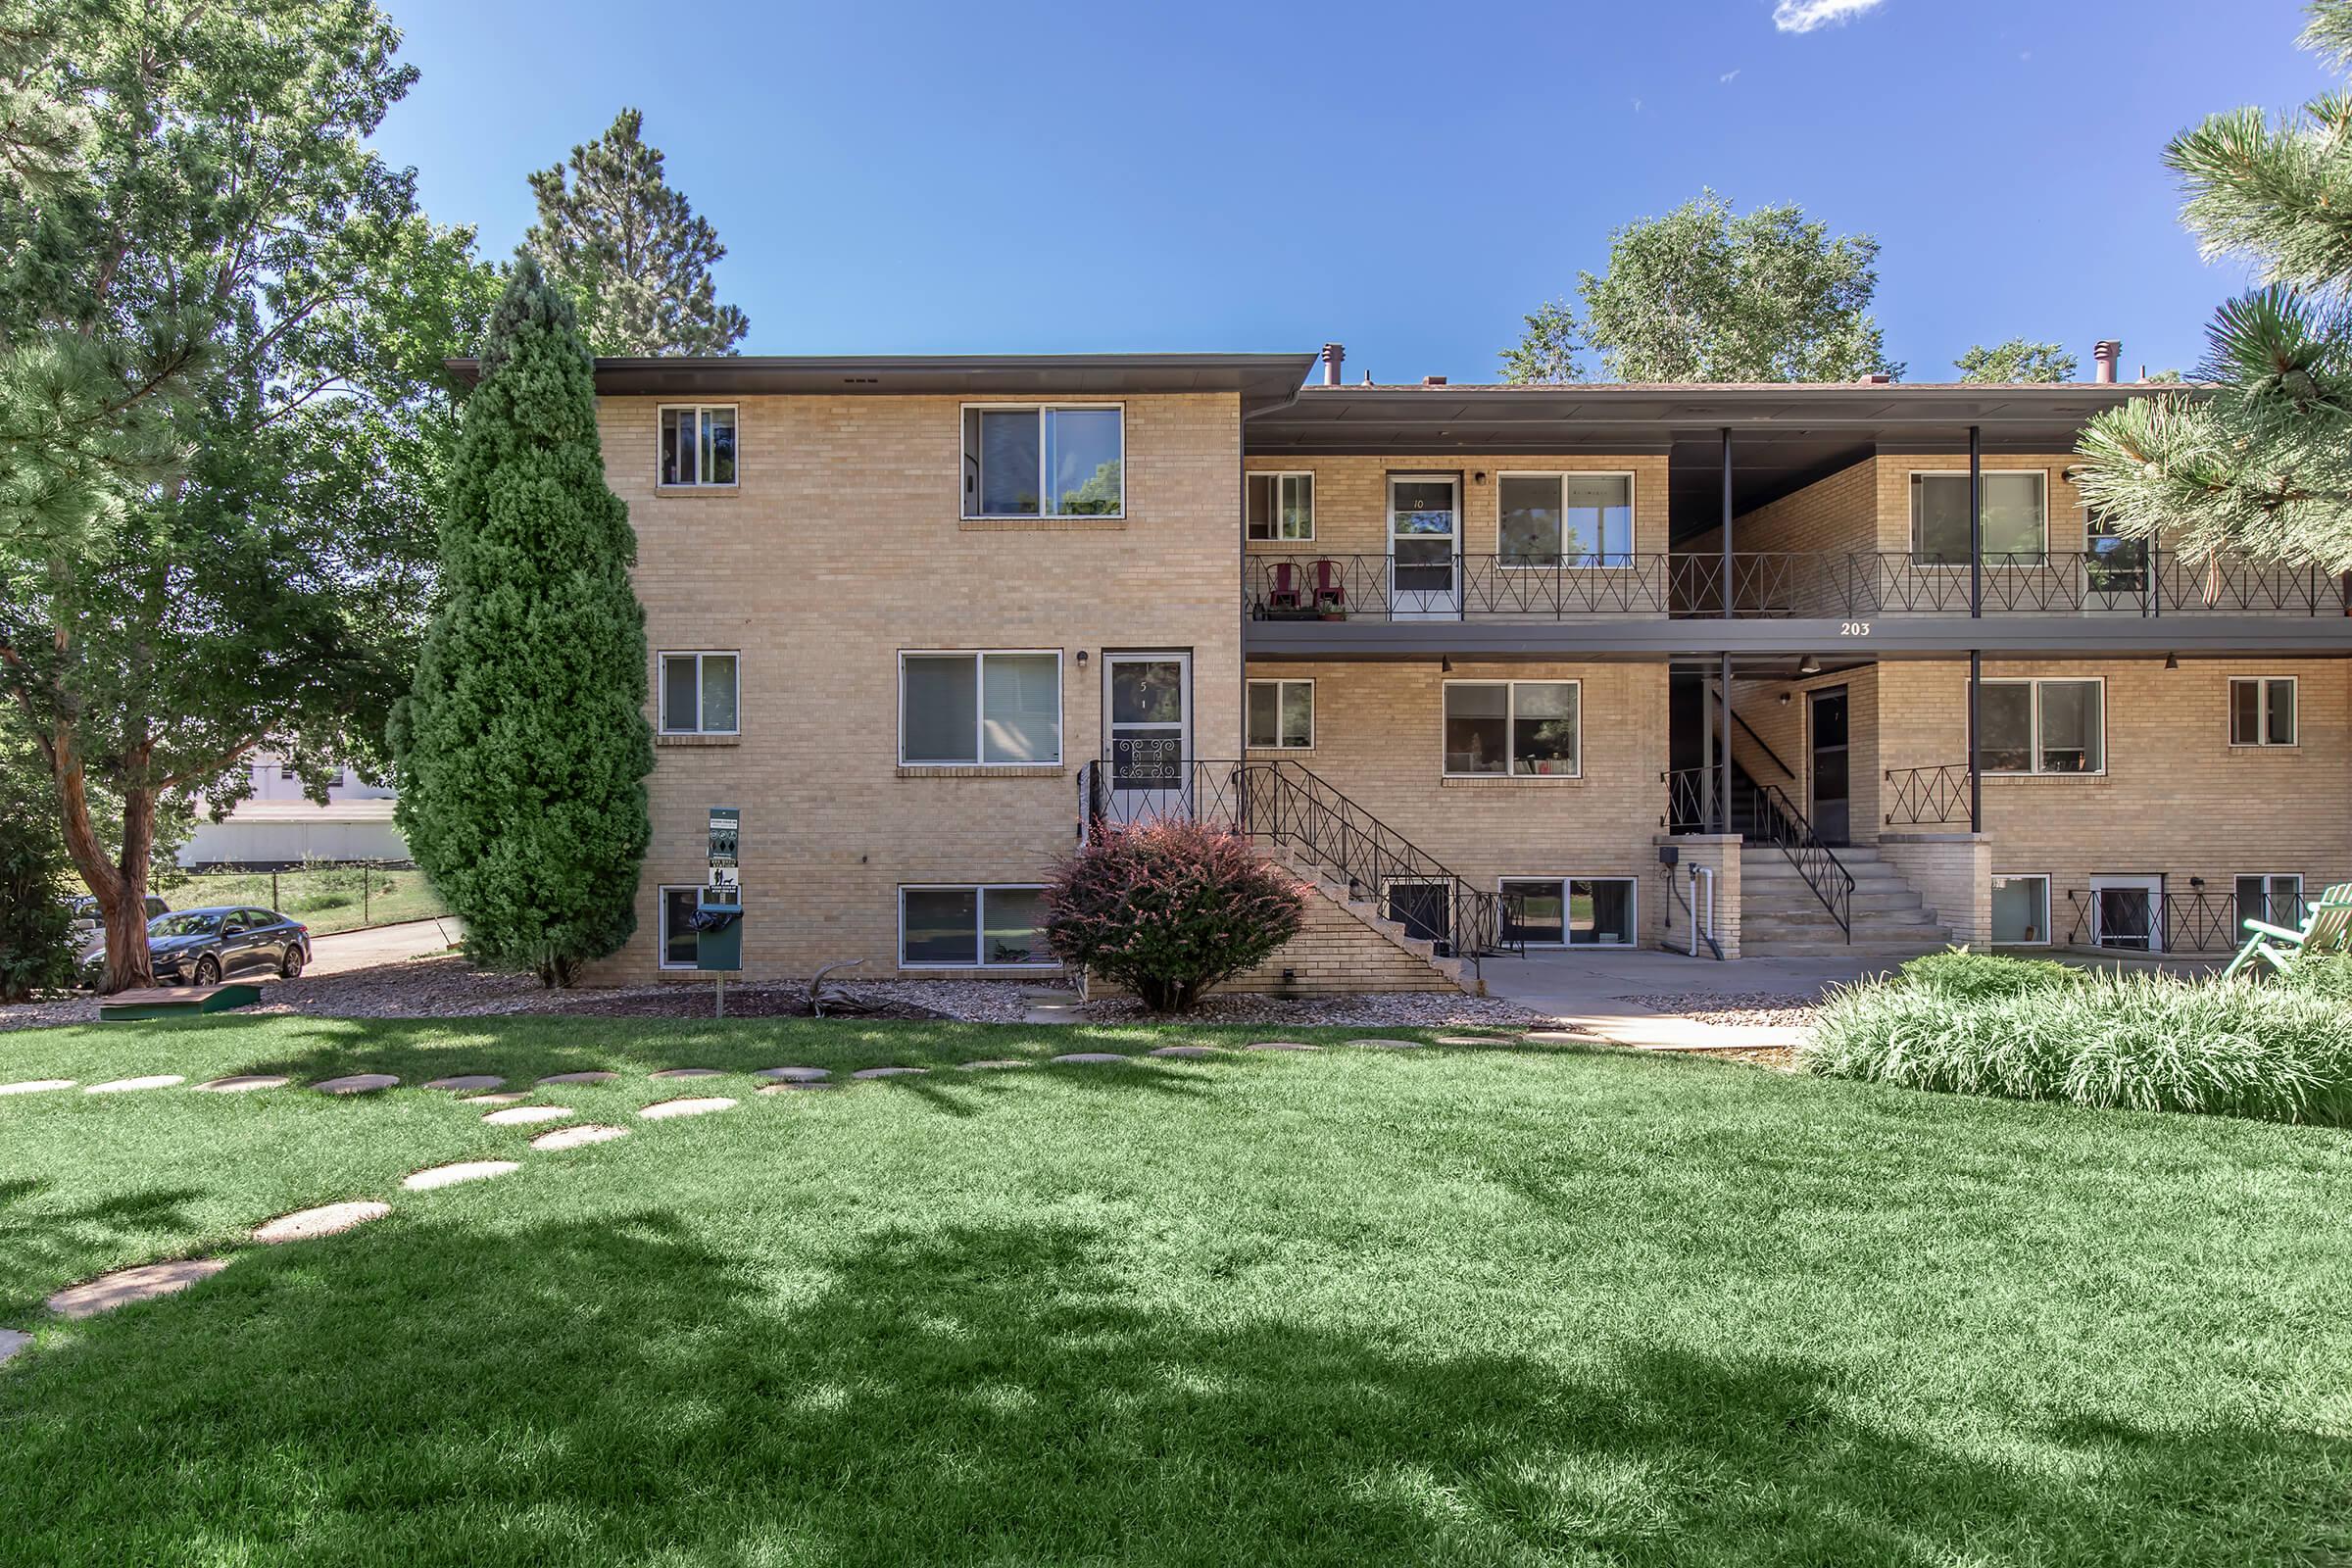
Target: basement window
(972,927)
(1568,911)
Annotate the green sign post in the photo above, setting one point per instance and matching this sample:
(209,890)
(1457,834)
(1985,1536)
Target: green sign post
(718,926)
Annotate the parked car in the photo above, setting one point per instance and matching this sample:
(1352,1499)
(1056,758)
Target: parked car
(205,946)
(87,921)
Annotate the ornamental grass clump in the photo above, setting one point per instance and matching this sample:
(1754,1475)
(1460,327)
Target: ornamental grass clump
(1167,910)
(1962,976)
(2136,1042)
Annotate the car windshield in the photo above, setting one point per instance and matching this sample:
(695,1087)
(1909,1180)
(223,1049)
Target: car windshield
(184,925)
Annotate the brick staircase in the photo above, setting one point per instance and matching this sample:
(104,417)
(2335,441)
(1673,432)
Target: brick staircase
(1332,955)
(1781,917)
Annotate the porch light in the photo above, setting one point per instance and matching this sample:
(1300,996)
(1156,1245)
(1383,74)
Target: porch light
(2172,661)
(1808,665)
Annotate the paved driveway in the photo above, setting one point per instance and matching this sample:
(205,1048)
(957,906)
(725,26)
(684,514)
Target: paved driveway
(383,944)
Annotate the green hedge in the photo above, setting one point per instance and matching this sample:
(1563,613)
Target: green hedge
(2134,1040)
(1963,974)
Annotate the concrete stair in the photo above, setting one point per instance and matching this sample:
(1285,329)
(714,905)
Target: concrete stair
(1781,917)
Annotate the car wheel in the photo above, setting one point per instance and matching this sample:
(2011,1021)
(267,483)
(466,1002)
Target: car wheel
(208,970)
(291,966)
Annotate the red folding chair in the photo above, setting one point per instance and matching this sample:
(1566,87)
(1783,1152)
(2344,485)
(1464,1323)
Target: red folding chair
(1284,594)
(1330,591)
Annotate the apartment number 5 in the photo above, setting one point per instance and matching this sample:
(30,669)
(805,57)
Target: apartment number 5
(1853,628)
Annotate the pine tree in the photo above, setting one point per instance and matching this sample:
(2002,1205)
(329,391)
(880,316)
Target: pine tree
(523,750)
(2017,362)
(2261,463)
(629,250)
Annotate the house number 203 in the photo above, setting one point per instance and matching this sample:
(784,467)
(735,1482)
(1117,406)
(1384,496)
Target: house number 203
(1853,628)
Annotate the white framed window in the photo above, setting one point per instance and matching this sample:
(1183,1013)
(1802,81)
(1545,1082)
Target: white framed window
(699,694)
(2262,710)
(1568,911)
(1279,506)
(1282,715)
(2044,726)
(680,945)
(697,445)
(1526,727)
(972,926)
(2017,518)
(2021,910)
(2273,900)
(1563,519)
(980,706)
(1044,459)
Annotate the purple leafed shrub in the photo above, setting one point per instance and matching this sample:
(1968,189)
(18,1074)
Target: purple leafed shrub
(1167,910)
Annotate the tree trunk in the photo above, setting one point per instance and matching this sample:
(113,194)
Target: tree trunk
(120,889)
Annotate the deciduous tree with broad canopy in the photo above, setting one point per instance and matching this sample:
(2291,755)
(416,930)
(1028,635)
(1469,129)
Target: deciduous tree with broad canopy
(222,408)
(523,750)
(2017,362)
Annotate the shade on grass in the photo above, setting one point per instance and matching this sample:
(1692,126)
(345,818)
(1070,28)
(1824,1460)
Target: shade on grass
(1335,1307)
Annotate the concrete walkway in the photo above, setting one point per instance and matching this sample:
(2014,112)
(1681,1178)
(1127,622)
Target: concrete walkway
(1585,990)
(346,951)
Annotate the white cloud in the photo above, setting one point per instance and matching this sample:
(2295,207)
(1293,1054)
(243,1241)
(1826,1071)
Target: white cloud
(1729,75)
(1637,105)
(1803,16)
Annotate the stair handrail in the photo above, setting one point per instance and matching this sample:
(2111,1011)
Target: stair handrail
(1781,826)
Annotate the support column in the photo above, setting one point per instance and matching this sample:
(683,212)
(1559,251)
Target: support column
(1976,740)
(1723,759)
(1975,522)
(1727,532)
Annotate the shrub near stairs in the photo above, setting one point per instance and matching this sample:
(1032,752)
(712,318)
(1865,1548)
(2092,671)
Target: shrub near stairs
(1167,910)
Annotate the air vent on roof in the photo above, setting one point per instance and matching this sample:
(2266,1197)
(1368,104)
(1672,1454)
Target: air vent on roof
(1433,380)
(1877,378)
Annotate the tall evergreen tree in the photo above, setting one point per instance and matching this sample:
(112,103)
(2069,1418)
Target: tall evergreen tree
(629,250)
(2261,463)
(2017,362)
(1705,294)
(522,752)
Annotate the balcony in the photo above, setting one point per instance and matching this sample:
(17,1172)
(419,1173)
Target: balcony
(1828,585)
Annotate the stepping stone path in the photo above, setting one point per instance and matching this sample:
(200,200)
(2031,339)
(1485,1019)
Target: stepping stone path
(994,1063)
(359,1083)
(1090,1058)
(471,1080)
(122,1086)
(125,1286)
(308,1225)
(1559,1037)
(796,1088)
(586,1132)
(1280,1044)
(888,1073)
(10,1342)
(664,1110)
(242,1082)
(580,1078)
(524,1115)
(685,1072)
(794,1075)
(36,1085)
(471,1170)
(1185,1052)
(506,1098)
(1388,1044)
(1473,1039)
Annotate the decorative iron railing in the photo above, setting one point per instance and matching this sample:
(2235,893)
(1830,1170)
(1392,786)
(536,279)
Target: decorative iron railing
(1281,803)
(1779,823)
(1914,796)
(2199,920)
(1691,800)
(2140,581)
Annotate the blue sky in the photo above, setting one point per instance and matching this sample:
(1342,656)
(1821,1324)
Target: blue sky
(1409,179)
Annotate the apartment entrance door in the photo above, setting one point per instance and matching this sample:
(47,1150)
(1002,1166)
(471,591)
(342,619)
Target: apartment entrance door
(1833,778)
(2128,911)
(1425,543)
(1148,725)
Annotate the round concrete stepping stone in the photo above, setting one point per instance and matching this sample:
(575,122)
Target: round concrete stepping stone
(359,1083)
(586,1132)
(1280,1044)
(888,1073)
(995,1063)
(10,1342)
(803,1086)
(470,1080)
(36,1085)
(685,1072)
(127,1284)
(580,1078)
(467,1170)
(1558,1037)
(794,1075)
(1090,1058)
(243,1082)
(664,1110)
(1474,1040)
(333,1219)
(124,1086)
(1389,1044)
(1185,1052)
(524,1115)
(506,1098)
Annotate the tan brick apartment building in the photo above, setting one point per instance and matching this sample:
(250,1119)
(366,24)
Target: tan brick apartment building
(1458,652)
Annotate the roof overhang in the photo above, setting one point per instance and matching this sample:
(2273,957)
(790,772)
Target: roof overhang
(1262,380)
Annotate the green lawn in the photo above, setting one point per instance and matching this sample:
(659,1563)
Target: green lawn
(1457,1307)
(327,899)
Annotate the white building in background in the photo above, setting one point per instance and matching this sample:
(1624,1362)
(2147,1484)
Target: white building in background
(279,826)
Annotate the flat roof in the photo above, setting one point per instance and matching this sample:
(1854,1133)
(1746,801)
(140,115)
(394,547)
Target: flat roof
(1260,378)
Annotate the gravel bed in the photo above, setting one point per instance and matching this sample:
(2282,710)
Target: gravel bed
(1403,1009)
(1770,1007)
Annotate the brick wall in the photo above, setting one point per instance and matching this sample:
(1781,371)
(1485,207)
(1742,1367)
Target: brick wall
(844,544)
(1351,497)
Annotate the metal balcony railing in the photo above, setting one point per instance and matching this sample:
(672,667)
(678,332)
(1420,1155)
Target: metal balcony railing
(1918,795)
(2198,921)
